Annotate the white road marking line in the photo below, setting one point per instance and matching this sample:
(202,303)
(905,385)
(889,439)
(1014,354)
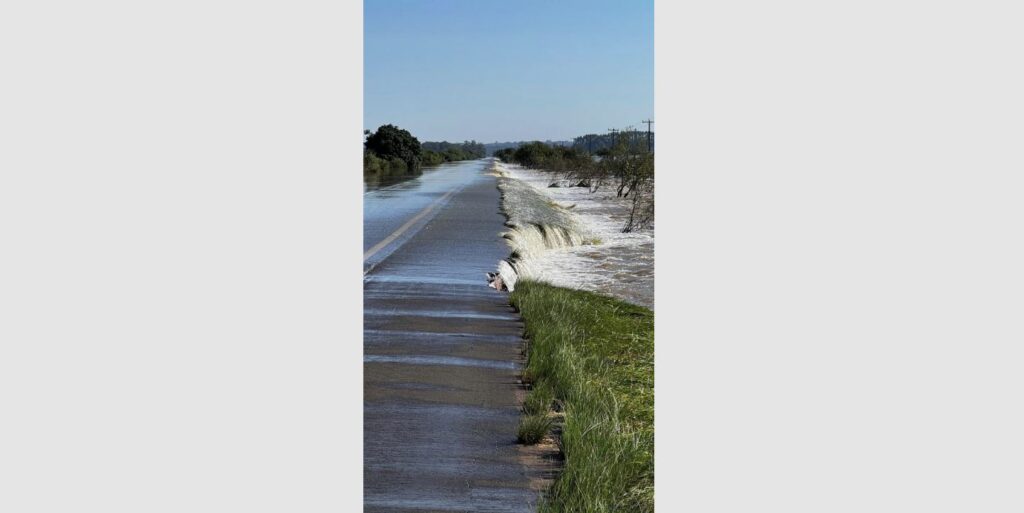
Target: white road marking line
(408,224)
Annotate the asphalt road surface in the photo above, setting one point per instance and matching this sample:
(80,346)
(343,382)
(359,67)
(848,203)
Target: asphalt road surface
(441,351)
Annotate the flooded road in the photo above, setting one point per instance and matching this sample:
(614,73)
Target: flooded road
(441,350)
(387,209)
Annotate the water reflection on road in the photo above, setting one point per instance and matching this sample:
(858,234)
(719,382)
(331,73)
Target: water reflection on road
(387,208)
(442,352)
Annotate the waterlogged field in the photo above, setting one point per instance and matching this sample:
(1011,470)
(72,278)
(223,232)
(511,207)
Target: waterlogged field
(592,357)
(603,260)
(537,225)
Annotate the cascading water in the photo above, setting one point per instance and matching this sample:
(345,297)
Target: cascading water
(581,246)
(536,224)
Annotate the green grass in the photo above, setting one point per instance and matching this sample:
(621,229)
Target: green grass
(596,355)
(540,399)
(533,428)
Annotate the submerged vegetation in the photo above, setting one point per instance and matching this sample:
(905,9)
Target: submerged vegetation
(593,357)
(624,163)
(434,153)
(392,152)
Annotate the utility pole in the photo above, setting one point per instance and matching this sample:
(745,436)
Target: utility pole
(649,122)
(613,131)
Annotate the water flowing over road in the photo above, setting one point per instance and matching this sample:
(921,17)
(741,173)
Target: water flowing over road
(441,351)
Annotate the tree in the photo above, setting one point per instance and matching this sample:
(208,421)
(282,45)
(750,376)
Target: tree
(390,142)
(506,154)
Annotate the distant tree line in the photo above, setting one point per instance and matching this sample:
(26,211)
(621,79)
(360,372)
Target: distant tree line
(392,151)
(636,140)
(538,155)
(494,147)
(434,153)
(595,144)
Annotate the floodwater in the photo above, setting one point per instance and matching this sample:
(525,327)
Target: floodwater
(442,351)
(610,262)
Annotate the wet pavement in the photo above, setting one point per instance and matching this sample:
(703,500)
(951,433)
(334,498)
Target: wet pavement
(441,352)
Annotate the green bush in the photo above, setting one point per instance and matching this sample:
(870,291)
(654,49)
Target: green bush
(506,154)
(372,164)
(397,166)
(431,158)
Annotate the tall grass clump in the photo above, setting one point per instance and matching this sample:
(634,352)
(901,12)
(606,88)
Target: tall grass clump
(540,399)
(533,428)
(597,356)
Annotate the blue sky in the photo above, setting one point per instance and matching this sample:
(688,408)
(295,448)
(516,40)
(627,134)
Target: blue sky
(495,70)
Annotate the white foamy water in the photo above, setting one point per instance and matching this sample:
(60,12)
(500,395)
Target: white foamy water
(590,252)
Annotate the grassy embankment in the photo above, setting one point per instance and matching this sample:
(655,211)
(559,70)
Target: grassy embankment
(593,358)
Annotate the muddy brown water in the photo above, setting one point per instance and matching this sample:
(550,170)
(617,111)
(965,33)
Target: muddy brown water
(442,355)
